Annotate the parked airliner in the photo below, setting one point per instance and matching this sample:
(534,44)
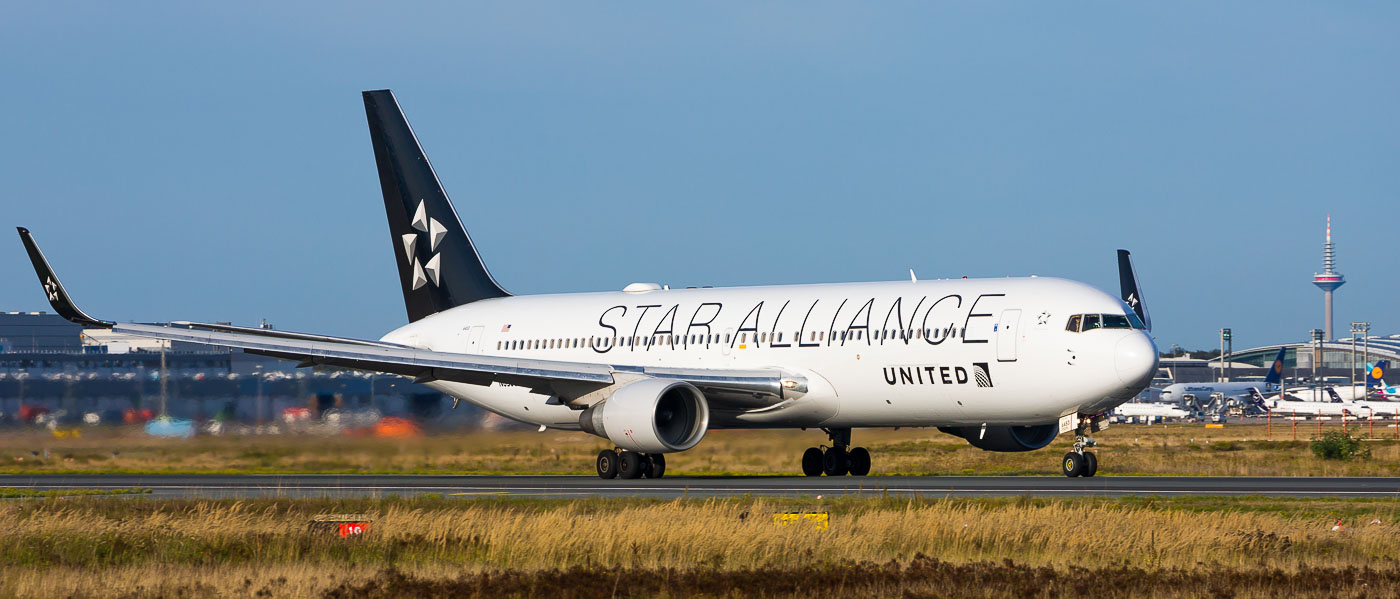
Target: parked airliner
(1150,410)
(1231,390)
(1335,405)
(1005,363)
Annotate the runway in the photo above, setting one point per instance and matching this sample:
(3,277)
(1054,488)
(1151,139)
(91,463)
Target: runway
(373,485)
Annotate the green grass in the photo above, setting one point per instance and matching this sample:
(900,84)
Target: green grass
(1176,450)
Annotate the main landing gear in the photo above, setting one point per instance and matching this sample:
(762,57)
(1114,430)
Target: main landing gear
(836,460)
(1079,462)
(630,464)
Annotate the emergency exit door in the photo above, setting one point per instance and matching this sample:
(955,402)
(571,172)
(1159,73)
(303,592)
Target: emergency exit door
(1008,332)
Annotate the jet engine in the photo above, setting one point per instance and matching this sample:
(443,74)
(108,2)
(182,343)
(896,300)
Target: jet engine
(1006,438)
(650,416)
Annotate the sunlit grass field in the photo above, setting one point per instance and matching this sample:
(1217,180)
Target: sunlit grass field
(436,546)
(1179,449)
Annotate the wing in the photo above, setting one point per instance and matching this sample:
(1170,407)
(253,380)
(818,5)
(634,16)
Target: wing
(581,383)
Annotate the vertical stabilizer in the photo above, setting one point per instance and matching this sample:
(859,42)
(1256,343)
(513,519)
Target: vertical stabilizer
(1375,375)
(1275,376)
(439,267)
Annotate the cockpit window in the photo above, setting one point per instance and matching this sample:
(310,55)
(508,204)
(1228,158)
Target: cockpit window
(1115,321)
(1085,322)
(1136,322)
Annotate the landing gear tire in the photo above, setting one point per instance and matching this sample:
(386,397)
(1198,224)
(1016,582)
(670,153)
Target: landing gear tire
(1073,464)
(630,464)
(835,462)
(607,463)
(1091,464)
(812,462)
(859,461)
(657,465)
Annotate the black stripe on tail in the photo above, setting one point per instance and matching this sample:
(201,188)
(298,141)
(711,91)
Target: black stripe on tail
(439,267)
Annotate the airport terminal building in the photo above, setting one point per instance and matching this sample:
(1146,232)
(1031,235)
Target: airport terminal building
(51,364)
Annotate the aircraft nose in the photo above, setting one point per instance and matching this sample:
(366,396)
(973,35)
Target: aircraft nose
(1136,358)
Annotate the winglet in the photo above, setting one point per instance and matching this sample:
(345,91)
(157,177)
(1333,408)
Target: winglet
(58,296)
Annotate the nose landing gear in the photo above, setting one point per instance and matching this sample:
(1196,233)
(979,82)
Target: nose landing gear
(839,459)
(1079,462)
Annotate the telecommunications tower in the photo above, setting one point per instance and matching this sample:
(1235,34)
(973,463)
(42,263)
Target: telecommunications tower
(1328,281)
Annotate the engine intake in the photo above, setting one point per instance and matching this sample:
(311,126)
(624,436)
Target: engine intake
(1006,438)
(650,416)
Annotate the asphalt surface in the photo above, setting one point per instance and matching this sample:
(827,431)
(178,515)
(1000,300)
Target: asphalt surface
(331,485)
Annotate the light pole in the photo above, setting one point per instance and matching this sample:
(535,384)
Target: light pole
(258,403)
(1355,330)
(1317,356)
(1365,344)
(1225,365)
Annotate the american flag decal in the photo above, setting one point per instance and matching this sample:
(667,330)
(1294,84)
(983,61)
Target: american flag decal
(505,329)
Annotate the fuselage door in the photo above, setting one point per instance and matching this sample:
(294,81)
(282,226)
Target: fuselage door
(1008,329)
(472,338)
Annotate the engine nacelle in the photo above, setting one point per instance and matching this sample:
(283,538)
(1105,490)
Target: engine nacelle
(650,416)
(1006,438)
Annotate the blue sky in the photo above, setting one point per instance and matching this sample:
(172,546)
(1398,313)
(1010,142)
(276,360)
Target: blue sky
(211,162)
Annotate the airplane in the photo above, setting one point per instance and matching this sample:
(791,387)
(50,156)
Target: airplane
(1005,363)
(1375,382)
(1288,405)
(1231,390)
(1149,410)
(1374,385)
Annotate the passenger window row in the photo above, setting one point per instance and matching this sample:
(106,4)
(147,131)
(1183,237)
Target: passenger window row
(706,340)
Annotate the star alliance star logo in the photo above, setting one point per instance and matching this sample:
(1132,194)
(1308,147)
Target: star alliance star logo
(52,289)
(430,271)
(1133,300)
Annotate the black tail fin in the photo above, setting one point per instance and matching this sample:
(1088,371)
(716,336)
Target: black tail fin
(1131,290)
(53,289)
(438,264)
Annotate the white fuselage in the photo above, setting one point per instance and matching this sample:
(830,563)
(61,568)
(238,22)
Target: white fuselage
(1149,410)
(1202,391)
(1320,394)
(927,353)
(1359,409)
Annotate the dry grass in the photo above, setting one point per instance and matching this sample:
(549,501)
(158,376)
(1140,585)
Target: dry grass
(435,546)
(1186,449)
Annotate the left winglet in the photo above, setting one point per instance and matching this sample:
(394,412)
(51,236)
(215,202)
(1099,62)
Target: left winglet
(53,289)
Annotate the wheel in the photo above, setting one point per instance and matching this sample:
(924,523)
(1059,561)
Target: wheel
(607,463)
(1091,463)
(859,460)
(657,463)
(834,461)
(630,464)
(1073,464)
(812,462)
